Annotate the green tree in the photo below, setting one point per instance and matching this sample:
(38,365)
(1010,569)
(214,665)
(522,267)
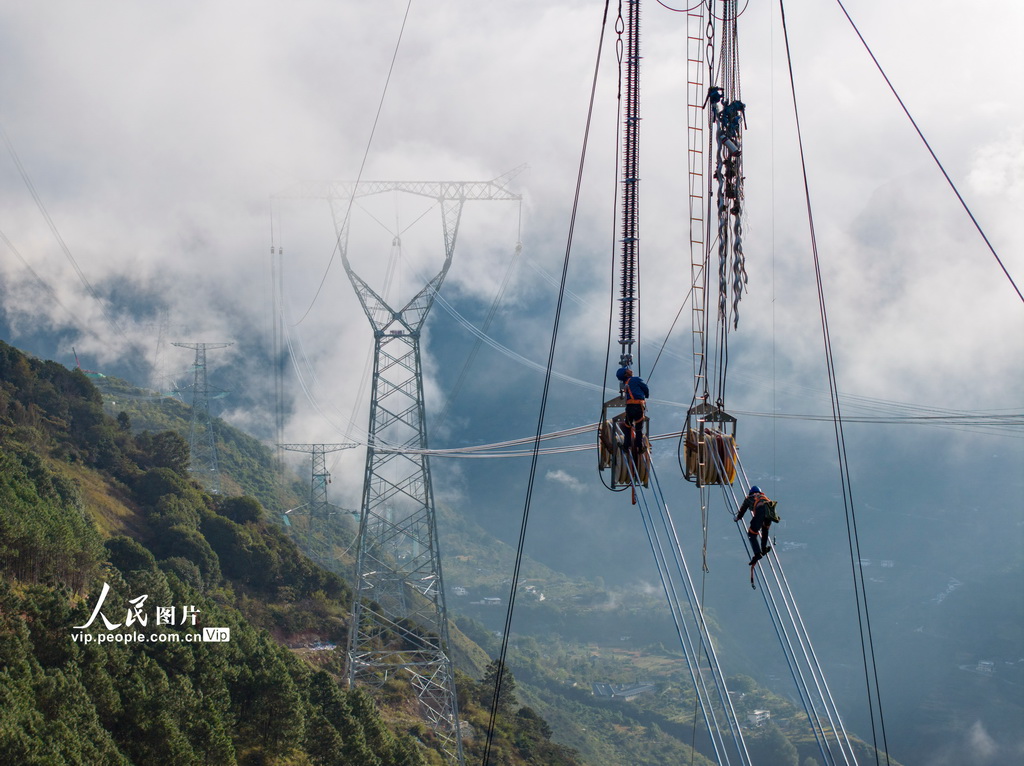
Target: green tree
(241,510)
(742,684)
(772,748)
(173,511)
(378,738)
(127,554)
(166,449)
(267,701)
(188,543)
(186,571)
(505,690)
(157,482)
(323,743)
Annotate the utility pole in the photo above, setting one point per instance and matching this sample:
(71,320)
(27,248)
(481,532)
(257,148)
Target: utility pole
(318,507)
(399,585)
(202,442)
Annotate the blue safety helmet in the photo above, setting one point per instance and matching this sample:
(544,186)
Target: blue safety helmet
(622,373)
(755,490)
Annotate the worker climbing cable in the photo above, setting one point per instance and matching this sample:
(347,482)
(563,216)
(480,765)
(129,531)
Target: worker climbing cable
(762,514)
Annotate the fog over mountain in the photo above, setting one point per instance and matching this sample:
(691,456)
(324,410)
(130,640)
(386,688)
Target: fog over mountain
(147,149)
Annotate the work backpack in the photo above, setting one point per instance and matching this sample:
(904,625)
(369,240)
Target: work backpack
(770,514)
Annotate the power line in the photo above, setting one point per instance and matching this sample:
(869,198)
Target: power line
(860,589)
(945,175)
(366,153)
(63,245)
(49,290)
(517,568)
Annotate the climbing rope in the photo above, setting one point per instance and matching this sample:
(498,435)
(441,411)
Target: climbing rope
(688,617)
(517,568)
(860,589)
(791,631)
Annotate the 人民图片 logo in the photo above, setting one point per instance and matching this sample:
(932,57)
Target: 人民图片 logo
(174,624)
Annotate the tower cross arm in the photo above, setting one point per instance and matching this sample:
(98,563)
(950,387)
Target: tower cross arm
(495,189)
(207,346)
(314,447)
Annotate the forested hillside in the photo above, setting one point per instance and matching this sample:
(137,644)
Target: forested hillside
(115,564)
(143,621)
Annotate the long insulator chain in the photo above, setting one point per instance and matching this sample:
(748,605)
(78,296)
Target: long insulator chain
(730,119)
(630,180)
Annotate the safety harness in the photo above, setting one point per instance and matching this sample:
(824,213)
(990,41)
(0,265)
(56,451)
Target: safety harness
(627,391)
(770,515)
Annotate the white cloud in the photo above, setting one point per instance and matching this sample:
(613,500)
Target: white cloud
(565,479)
(973,747)
(980,743)
(165,130)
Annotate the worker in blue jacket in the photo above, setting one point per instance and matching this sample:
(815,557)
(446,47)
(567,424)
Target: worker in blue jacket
(635,392)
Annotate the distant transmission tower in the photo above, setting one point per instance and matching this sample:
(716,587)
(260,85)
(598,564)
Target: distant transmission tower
(318,508)
(399,588)
(202,442)
(161,378)
(277,344)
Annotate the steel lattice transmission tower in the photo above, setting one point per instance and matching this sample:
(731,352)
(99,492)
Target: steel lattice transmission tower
(202,442)
(318,508)
(399,621)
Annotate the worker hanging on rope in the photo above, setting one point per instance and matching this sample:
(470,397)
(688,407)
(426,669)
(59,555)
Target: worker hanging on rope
(729,115)
(762,514)
(635,392)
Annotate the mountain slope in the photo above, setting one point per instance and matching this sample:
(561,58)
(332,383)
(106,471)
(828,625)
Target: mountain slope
(145,621)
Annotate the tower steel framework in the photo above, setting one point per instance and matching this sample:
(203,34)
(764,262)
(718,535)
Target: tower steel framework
(318,508)
(399,621)
(277,345)
(202,441)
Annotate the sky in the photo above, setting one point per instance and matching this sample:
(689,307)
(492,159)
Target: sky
(157,136)
(150,147)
